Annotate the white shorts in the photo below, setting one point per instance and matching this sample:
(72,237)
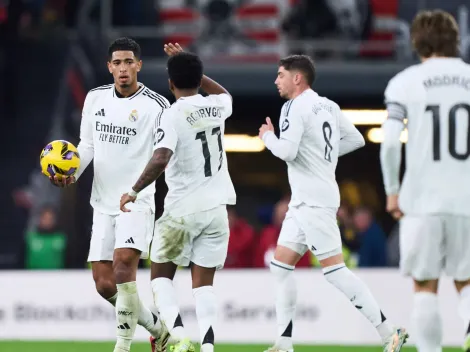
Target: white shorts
(200,238)
(311,228)
(126,230)
(430,244)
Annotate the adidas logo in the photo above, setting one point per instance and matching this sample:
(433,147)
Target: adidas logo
(100,113)
(130,240)
(124,326)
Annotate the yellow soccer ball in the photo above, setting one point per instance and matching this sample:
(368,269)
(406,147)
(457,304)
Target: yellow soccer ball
(59,158)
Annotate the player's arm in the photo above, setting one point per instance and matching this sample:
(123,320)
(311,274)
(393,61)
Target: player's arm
(390,150)
(292,128)
(165,141)
(153,170)
(350,138)
(211,87)
(85,146)
(208,85)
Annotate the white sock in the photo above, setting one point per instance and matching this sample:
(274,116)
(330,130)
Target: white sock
(464,306)
(127,312)
(147,319)
(286,301)
(206,312)
(426,322)
(164,295)
(360,296)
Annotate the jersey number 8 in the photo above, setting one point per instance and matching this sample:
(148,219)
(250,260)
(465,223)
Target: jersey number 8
(436,143)
(206,152)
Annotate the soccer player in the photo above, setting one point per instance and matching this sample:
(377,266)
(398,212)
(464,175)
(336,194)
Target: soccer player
(314,133)
(117,133)
(433,203)
(193,229)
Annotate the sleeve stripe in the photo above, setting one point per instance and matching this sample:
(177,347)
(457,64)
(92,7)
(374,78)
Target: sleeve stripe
(159,117)
(396,111)
(157,97)
(288,105)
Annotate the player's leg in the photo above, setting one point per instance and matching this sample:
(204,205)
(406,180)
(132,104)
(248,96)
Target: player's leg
(171,247)
(206,304)
(421,257)
(463,288)
(457,265)
(133,231)
(324,239)
(209,252)
(101,256)
(164,294)
(290,249)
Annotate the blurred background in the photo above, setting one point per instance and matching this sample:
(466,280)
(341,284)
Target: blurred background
(54,51)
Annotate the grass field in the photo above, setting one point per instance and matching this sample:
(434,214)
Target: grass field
(17,346)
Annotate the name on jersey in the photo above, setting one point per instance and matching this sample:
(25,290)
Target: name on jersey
(320,106)
(114,134)
(446,80)
(203,113)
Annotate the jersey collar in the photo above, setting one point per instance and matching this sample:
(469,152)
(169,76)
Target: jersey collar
(117,95)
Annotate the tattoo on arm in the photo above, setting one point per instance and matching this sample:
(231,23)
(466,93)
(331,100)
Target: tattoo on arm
(154,168)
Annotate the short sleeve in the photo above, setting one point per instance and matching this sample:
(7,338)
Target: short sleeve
(223,100)
(291,124)
(165,135)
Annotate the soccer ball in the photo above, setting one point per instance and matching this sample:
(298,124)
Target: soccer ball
(59,158)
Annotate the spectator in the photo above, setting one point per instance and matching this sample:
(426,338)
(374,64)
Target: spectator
(270,234)
(241,243)
(373,242)
(45,245)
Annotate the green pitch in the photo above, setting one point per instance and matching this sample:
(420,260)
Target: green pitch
(16,346)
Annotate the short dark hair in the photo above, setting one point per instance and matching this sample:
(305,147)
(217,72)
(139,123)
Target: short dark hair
(185,70)
(124,44)
(302,63)
(435,33)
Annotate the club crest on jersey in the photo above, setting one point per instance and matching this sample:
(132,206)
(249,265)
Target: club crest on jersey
(285,125)
(133,116)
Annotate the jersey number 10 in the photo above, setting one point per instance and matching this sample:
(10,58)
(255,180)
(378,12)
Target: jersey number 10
(436,141)
(206,152)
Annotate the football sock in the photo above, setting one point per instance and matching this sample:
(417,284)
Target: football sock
(127,312)
(286,300)
(147,319)
(360,296)
(206,312)
(426,322)
(464,306)
(164,295)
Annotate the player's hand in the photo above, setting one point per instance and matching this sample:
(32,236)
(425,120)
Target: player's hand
(392,207)
(126,198)
(62,181)
(172,49)
(268,126)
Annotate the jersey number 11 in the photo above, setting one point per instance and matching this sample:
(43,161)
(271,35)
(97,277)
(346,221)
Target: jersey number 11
(436,141)
(206,152)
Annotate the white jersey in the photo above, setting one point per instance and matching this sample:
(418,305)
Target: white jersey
(434,97)
(119,135)
(197,174)
(315,125)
